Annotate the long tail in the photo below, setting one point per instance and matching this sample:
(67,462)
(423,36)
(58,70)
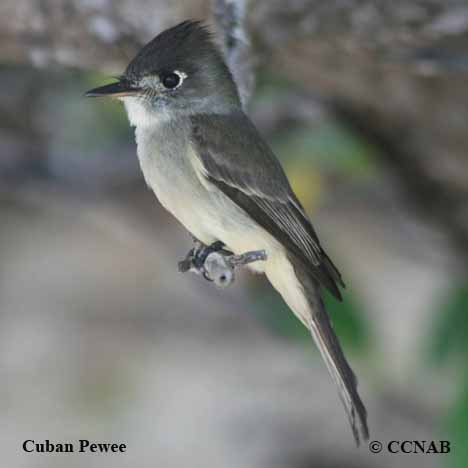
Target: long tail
(301,292)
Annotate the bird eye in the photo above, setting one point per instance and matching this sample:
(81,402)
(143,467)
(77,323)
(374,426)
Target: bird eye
(171,80)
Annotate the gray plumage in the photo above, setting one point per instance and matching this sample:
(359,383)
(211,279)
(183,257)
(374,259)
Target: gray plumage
(208,166)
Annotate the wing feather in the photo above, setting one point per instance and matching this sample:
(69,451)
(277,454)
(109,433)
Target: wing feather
(234,158)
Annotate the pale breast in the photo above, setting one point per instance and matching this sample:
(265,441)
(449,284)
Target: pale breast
(172,170)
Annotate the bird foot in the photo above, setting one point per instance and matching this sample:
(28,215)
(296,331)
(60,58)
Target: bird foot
(216,263)
(196,257)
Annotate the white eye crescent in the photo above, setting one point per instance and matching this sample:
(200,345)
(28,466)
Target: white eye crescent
(182,75)
(173,80)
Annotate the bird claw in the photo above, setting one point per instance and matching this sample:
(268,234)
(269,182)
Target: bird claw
(196,257)
(216,263)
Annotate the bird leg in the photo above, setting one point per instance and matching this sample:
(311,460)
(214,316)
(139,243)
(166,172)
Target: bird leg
(196,257)
(216,263)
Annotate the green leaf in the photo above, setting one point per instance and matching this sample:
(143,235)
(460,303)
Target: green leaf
(457,425)
(327,146)
(450,332)
(348,321)
(346,317)
(272,310)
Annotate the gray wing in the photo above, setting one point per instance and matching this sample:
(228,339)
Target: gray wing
(236,159)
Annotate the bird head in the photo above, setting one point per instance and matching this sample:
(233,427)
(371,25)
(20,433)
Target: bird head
(181,71)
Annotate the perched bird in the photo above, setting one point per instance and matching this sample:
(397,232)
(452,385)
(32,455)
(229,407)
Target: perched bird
(208,165)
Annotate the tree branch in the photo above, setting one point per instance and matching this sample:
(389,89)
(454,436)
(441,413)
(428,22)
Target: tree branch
(231,21)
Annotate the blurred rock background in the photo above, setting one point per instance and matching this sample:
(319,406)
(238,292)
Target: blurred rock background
(100,336)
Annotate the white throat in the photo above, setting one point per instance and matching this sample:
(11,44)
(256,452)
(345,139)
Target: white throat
(140,116)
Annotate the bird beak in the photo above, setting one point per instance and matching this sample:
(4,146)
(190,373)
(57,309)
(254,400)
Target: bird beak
(117,89)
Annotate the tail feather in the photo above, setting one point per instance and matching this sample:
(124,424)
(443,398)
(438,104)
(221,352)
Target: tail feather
(293,280)
(330,349)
